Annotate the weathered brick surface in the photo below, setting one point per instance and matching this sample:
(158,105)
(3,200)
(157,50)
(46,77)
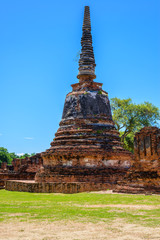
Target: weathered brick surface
(54,187)
(21,169)
(136,189)
(3,166)
(17,176)
(29,164)
(86,137)
(87,140)
(2,184)
(144,175)
(81,174)
(147,149)
(71,175)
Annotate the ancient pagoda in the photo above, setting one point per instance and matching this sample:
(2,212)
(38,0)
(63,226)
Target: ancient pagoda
(87,146)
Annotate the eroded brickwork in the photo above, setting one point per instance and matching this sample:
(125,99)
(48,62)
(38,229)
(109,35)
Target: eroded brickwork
(147,149)
(81,174)
(87,140)
(21,169)
(144,175)
(3,167)
(76,187)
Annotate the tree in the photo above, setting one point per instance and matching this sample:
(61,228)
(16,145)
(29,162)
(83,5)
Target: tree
(13,155)
(24,156)
(130,118)
(128,141)
(5,156)
(32,154)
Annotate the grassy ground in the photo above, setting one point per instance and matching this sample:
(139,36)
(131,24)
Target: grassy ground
(83,207)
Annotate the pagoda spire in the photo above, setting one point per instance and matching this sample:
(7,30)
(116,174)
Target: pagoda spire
(86,61)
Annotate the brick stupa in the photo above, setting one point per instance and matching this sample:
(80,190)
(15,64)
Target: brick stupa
(87,146)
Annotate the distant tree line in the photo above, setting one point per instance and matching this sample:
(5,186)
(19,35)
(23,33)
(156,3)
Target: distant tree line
(7,157)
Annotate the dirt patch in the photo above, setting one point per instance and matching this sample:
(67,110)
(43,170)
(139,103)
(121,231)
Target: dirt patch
(17,214)
(134,207)
(70,230)
(105,192)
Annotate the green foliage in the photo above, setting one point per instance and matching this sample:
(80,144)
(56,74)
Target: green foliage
(5,156)
(89,207)
(130,118)
(128,141)
(100,92)
(13,155)
(32,154)
(24,156)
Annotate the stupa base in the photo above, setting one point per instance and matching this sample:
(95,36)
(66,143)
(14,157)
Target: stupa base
(103,168)
(54,187)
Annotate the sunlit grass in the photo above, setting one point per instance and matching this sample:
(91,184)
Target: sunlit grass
(80,207)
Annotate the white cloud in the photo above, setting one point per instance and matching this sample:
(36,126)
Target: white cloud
(20,154)
(29,138)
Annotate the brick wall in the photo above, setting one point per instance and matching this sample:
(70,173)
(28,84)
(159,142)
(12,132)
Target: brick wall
(54,187)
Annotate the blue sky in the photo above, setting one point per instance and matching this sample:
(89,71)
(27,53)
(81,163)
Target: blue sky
(39,44)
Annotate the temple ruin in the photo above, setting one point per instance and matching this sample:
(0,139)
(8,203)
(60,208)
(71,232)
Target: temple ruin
(86,153)
(21,169)
(87,144)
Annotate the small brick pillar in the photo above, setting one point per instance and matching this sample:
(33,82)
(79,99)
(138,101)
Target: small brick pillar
(147,148)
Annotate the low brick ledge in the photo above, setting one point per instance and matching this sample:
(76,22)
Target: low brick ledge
(54,187)
(1,184)
(137,189)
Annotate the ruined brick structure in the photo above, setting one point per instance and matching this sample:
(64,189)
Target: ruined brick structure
(86,147)
(144,175)
(86,153)
(147,149)
(21,169)
(28,164)
(3,166)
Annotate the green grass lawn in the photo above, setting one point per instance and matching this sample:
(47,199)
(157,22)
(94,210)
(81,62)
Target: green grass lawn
(82,207)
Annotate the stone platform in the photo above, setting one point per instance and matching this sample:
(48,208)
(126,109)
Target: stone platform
(137,189)
(54,187)
(77,187)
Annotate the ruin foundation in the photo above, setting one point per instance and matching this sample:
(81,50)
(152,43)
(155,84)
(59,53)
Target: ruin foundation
(144,174)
